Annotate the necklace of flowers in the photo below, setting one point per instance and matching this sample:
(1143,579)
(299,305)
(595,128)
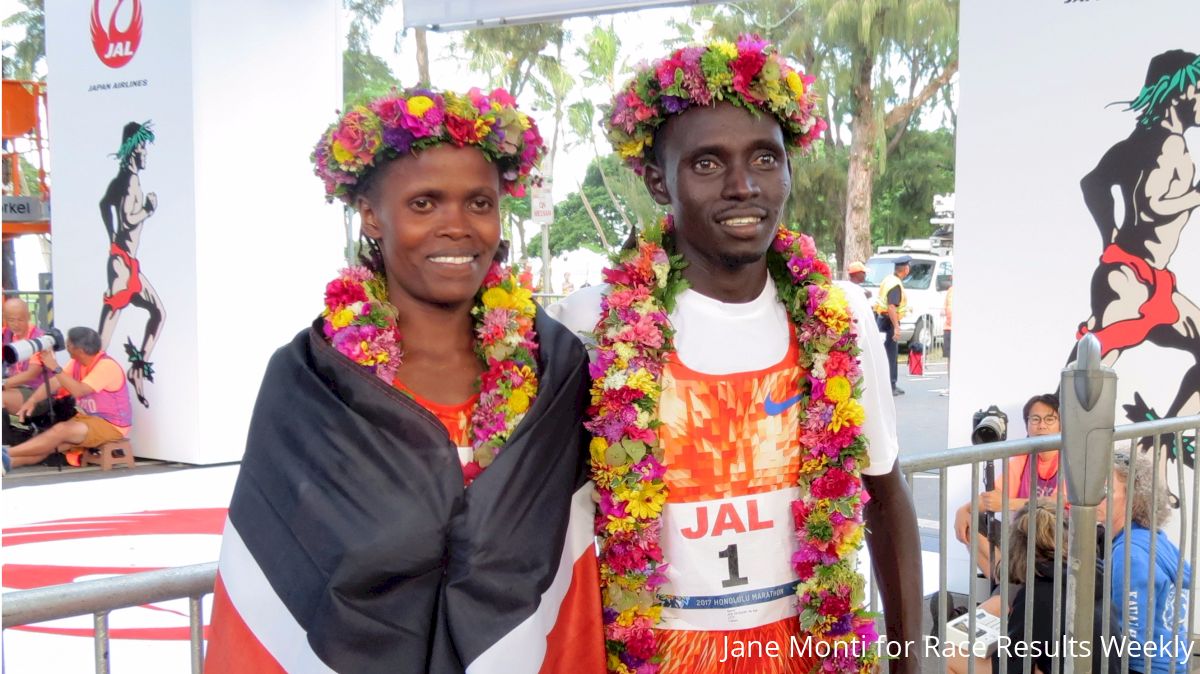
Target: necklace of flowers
(361,324)
(634,339)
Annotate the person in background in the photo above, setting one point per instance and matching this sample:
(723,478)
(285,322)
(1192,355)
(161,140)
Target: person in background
(890,308)
(946,329)
(1041,418)
(101,397)
(1158,623)
(21,377)
(857,272)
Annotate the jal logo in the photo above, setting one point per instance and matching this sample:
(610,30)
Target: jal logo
(116,46)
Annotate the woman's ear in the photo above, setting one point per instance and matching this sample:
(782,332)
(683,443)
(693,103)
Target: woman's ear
(657,185)
(366,213)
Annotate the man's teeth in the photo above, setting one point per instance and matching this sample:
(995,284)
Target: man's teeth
(737,222)
(445,259)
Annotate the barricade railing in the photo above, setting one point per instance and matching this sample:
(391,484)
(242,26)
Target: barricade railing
(101,597)
(1086,478)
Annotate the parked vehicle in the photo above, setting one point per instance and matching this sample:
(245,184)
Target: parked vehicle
(930,276)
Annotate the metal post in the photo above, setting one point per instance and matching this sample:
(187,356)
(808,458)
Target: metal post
(1088,411)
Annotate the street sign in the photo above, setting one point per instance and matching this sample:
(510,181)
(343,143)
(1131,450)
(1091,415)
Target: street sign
(23,209)
(542,206)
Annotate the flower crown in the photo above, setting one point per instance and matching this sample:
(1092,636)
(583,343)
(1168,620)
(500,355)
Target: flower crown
(415,119)
(751,74)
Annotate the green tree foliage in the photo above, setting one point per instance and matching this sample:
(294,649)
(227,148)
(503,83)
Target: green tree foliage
(573,226)
(364,75)
(21,58)
(921,166)
(508,55)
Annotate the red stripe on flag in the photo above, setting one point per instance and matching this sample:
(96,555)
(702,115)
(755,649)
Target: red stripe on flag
(574,645)
(232,647)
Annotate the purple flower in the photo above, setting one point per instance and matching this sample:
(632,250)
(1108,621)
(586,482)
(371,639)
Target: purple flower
(674,104)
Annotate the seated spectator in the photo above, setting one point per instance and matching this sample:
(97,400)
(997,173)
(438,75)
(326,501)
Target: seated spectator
(1041,418)
(101,394)
(1145,572)
(21,377)
(1038,515)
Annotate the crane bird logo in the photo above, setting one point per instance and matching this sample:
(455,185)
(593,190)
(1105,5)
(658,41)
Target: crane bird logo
(116,47)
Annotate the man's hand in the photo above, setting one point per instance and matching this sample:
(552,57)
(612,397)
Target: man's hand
(990,501)
(48,360)
(26,409)
(151,202)
(962,523)
(896,335)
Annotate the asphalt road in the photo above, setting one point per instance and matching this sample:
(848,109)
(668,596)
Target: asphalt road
(921,419)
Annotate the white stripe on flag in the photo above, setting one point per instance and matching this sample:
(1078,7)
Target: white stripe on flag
(523,649)
(261,608)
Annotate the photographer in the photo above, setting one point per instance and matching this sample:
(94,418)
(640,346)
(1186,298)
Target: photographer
(101,397)
(23,377)
(1041,418)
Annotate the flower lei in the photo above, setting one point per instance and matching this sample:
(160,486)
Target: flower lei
(361,324)
(634,337)
(415,119)
(749,73)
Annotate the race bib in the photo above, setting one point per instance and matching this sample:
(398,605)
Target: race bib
(730,562)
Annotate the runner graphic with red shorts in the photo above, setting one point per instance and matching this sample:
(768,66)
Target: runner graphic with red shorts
(124,209)
(1134,296)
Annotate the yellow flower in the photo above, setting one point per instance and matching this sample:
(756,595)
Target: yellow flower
(632,148)
(495,298)
(624,350)
(341,318)
(647,502)
(642,381)
(725,48)
(419,105)
(597,447)
(838,389)
(850,543)
(848,413)
(518,402)
(618,524)
(795,83)
(341,154)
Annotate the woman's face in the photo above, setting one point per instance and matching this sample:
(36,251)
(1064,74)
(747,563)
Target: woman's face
(437,220)
(1116,504)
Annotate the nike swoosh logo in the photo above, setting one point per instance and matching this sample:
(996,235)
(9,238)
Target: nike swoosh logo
(775,408)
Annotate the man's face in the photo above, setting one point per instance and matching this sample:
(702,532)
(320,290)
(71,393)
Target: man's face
(724,173)
(1189,107)
(139,156)
(16,317)
(902,271)
(858,276)
(1043,420)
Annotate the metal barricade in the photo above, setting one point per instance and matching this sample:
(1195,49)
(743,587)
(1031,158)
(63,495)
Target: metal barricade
(101,597)
(1086,479)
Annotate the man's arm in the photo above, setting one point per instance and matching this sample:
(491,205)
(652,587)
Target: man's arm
(895,546)
(132,205)
(33,373)
(1158,183)
(64,379)
(1097,193)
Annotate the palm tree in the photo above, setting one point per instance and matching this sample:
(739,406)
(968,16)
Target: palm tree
(29,52)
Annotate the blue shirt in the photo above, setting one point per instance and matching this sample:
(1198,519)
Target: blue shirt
(1162,571)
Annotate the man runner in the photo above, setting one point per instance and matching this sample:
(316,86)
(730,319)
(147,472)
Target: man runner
(124,209)
(711,128)
(1134,296)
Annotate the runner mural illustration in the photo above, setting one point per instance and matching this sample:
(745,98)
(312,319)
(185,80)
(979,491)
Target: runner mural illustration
(124,210)
(1134,295)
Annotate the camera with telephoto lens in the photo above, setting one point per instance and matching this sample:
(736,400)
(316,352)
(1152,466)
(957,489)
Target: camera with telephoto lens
(22,350)
(990,425)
